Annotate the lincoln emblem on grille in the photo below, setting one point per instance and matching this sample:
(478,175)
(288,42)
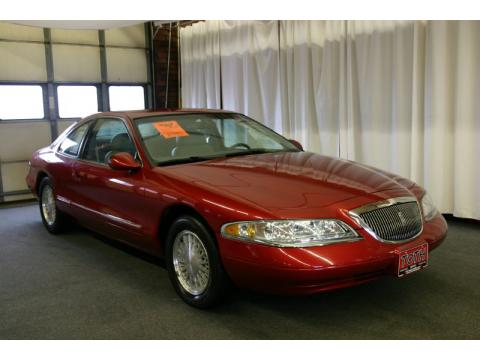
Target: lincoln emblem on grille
(402,218)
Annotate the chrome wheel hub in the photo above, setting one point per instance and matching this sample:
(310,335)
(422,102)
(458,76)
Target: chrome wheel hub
(191,263)
(49,210)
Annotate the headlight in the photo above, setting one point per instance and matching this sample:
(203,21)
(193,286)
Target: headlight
(291,233)
(429,210)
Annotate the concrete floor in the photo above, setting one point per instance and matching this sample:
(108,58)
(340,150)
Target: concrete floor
(81,286)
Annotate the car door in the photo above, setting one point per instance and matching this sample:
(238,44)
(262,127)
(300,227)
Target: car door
(61,167)
(111,201)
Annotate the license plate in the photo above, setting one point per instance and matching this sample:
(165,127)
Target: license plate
(412,259)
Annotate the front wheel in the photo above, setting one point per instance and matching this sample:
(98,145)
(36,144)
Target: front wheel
(53,219)
(193,263)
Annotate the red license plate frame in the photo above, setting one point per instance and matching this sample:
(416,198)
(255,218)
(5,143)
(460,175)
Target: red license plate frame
(412,259)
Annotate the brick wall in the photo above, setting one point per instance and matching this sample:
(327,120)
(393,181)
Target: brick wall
(160,51)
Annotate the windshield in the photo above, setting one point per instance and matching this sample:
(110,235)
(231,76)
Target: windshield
(177,138)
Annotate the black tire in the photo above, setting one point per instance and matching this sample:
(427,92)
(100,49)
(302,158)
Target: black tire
(218,283)
(60,220)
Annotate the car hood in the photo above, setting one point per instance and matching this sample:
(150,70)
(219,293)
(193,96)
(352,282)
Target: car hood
(288,180)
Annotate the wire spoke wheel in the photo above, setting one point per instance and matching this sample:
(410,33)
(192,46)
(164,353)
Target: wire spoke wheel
(191,262)
(194,264)
(49,210)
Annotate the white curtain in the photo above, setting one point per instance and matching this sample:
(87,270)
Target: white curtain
(311,55)
(398,95)
(451,123)
(200,65)
(250,70)
(412,105)
(377,128)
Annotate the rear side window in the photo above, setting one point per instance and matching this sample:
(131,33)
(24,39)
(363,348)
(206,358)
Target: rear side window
(71,144)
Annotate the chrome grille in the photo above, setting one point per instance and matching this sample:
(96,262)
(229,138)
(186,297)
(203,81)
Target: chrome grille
(393,220)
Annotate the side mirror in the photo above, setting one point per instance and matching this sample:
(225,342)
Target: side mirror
(123,161)
(297,144)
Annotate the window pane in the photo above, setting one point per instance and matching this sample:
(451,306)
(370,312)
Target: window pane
(77,101)
(21,102)
(108,136)
(126,98)
(71,144)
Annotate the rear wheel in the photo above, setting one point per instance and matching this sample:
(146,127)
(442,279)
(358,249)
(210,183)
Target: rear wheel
(193,263)
(53,219)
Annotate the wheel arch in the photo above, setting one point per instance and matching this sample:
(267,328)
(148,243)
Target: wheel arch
(173,212)
(40,176)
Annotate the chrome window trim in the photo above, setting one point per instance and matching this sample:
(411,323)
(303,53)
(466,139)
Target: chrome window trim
(355,215)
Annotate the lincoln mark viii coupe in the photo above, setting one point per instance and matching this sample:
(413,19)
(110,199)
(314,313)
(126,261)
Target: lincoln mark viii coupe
(223,200)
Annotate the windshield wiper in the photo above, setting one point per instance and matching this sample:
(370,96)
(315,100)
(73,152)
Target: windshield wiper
(186,160)
(191,159)
(253,152)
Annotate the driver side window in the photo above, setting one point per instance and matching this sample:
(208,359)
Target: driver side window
(108,137)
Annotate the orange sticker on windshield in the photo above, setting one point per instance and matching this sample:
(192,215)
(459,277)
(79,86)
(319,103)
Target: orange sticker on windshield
(169,129)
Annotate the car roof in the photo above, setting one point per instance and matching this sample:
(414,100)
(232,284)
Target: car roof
(143,113)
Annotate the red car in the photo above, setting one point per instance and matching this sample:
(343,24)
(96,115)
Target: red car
(223,198)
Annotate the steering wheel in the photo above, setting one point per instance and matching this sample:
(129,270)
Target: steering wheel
(240,144)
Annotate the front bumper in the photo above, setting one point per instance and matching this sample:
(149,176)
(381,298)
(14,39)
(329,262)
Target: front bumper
(318,269)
